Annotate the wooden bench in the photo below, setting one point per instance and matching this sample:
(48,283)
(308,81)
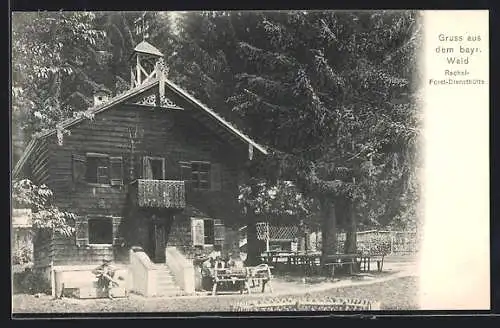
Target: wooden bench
(366,260)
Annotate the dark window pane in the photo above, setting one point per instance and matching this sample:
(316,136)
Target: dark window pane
(200,175)
(102,175)
(97,169)
(157,169)
(100,231)
(91,172)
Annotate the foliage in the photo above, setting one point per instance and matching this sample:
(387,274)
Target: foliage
(49,52)
(332,93)
(45,215)
(22,255)
(276,200)
(60,58)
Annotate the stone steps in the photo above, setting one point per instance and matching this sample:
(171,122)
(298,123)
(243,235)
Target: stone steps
(165,284)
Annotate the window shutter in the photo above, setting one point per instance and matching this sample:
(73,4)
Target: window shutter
(215,177)
(117,240)
(219,232)
(79,164)
(185,172)
(81,231)
(197,232)
(116,171)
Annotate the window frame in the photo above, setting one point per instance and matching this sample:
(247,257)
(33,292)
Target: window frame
(148,159)
(205,219)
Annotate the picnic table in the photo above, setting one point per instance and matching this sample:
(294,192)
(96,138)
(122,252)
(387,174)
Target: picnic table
(340,260)
(241,277)
(306,262)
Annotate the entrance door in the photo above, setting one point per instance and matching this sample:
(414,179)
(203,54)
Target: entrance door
(157,240)
(159,243)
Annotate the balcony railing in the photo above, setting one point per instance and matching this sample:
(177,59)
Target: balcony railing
(160,193)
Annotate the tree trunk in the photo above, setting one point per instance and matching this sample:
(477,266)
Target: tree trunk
(252,242)
(350,245)
(329,229)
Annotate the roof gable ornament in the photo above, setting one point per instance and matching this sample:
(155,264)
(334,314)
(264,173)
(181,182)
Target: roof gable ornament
(152,101)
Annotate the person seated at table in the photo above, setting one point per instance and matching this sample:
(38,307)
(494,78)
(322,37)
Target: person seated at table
(208,263)
(236,262)
(219,263)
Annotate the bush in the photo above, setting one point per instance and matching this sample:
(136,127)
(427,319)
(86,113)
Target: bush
(31,282)
(22,255)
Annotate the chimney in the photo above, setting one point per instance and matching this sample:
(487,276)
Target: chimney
(101,96)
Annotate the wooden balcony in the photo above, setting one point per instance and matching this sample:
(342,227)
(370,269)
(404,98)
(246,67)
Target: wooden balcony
(159,193)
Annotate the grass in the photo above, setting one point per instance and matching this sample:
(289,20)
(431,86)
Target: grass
(396,294)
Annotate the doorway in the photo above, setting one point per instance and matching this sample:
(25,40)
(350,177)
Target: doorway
(159,228)
(157,240)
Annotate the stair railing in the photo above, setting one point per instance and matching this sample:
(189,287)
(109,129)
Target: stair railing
(182,269)
(144,275)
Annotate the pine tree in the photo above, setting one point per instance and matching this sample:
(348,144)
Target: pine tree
(333,93)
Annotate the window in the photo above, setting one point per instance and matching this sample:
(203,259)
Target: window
(97,170)
(100,231)
(202,231)
(97,230)
(153,168)
(207,232)
(200,175)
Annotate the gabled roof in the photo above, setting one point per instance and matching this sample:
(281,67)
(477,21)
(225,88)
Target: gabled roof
(124,97)
(147,48)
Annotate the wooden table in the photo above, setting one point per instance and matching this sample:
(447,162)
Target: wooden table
(227,275)
(304,261)
(339,260)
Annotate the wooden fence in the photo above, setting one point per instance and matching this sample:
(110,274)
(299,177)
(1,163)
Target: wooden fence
(376,241)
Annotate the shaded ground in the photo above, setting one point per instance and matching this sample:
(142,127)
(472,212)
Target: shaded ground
(395,294)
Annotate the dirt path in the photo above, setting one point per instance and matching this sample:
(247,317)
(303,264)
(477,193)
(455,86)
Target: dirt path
(395,289)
